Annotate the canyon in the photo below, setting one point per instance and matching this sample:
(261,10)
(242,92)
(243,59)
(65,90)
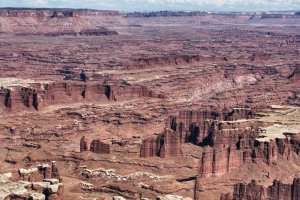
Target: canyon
(157,105)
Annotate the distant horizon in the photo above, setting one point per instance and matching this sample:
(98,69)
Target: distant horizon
(160,5)
(146,11)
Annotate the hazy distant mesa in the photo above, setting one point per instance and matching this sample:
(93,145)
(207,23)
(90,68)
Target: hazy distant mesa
(154,5)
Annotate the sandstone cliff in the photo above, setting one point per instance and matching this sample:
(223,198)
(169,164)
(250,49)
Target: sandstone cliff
(39,182)
(34,96)
(215,161)
(254,191)
(55,22)
(99,147)
(214,127)
(188,117)
(83,144)
(164,145)
(95,146)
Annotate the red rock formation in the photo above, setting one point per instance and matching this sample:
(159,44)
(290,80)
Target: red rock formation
(296,189)
(149,61)
(190,117)
(166,14)
(98,32)
(121,91)
(217,161)
(284,147)
(250,191)
(254,191)
(16,197)
(43,171)
(165,145)
(35,174)
(295,76)
(99,147)
(280,191)
(83,144)
(146,61)
(295,143)
(239,134)
(206,128)
(19,98)
(54,170)
(171,145)
(150,147)
(265,151)
(206,163)
(37,96)
(89,32)
(67,22)
(5,99)
(268,151)
(294,98)
(185,118)
(215,133)
(227,196)
(43,179)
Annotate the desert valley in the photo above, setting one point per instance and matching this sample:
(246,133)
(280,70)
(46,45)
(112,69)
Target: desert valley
(102,105)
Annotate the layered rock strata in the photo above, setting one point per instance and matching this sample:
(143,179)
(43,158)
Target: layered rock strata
(37,95)
(215,161)
(83,144)
(230,144)
(95,146)
(254,191)
(57,22)
(100,147)
(208,127)
(41,182)
(164,145)
(42,171)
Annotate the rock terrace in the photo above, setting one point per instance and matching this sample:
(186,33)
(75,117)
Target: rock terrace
(160,105)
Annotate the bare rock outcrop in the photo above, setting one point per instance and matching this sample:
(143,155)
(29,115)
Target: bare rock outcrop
(167,144)
(100,147)
(213,127)
(217,161)
(150,147)
(34,96)
(269,150)
(295,143)
(295,76)
(54,170)
(265,151)
(57,22)
(83,144)
(40,183)
(21,98)
(254,191)
(42,171)
(189,117)
(95,146)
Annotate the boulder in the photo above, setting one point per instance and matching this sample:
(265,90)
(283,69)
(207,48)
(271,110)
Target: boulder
(37,196)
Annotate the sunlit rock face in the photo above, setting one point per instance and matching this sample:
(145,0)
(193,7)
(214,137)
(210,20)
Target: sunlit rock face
(159,105)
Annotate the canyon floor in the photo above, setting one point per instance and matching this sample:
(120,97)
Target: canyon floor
(149,107)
